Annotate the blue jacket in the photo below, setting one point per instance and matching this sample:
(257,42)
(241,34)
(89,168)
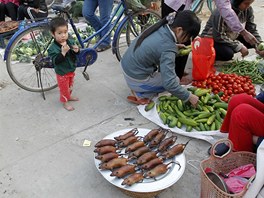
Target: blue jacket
(156,52)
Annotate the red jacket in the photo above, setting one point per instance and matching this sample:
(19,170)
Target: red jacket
(17,2)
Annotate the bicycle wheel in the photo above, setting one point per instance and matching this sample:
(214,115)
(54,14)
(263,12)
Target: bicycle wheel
(28,63)
(128,32)
(197,6)
(49,3)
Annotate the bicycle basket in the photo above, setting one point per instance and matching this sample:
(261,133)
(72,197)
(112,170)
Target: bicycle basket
(135,5)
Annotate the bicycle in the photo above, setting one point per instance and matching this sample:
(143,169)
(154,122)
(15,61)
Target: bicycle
(26,57)
(197,5)
(49,3)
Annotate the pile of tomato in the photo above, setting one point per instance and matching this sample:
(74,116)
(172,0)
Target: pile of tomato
(228,84)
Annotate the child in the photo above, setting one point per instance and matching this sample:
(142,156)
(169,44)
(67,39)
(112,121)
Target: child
(226,41)
(149,62)
(63,55)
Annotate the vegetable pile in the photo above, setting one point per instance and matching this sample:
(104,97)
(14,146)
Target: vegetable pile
(227,85)
(207,116)
(84,33)
(248,68)
(24,51)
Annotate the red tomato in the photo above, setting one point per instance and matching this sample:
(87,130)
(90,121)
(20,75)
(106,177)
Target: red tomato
(251,86)
(229,85)
(215,87)
(224,77)
(230,92)
(235,86)
(231,81)
(218,77)
(211,75)
(240,90)
(238,81)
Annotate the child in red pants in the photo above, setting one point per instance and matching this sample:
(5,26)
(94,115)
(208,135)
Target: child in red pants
(244,122)
(63,54)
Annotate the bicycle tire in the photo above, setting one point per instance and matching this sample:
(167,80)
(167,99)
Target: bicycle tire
(49,3)
(23,57)
(197,6)
(123,41)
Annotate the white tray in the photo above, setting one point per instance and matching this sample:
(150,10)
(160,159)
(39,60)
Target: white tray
(148,185)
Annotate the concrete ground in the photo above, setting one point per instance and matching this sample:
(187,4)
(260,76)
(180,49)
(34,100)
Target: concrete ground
(41,145)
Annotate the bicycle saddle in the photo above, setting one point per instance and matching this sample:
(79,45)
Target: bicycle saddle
(59,8)
(63,7)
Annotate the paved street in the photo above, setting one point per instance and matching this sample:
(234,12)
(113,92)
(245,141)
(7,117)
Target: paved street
(41,145)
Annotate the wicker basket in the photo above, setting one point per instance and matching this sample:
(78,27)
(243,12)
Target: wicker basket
(140,194)
(224,164)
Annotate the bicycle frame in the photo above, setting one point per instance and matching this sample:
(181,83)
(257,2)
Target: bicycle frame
(119,11)
(118,14)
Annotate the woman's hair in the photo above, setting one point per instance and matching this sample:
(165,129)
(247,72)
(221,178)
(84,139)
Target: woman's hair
(57,22)
(186,19)
(236,3)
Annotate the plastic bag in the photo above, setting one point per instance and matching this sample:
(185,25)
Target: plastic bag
(243,171)
(237,179)
(236,184)
(203,57)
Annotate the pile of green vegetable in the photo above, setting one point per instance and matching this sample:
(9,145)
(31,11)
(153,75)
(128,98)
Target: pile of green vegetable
(24,51)
(207,116)
(84,33)
(246,68)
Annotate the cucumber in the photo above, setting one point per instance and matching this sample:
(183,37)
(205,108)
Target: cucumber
(211,119)
(149,106)
(163,118)
(221,105)
(188,122)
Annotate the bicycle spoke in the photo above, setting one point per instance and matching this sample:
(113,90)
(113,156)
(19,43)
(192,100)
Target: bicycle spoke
(134,26)
(27,56)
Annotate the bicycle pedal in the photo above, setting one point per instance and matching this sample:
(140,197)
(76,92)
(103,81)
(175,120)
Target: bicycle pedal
(86,76)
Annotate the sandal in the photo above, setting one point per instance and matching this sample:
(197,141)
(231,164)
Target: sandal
(102,48)
(138,101)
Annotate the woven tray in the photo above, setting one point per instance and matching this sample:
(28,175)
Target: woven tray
(7,26)
(140,194)
(224,164)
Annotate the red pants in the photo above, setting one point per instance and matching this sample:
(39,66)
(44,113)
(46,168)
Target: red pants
(244,118)
(65,84)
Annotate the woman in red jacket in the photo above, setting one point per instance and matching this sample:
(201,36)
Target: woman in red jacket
(244,122)
(8,8)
